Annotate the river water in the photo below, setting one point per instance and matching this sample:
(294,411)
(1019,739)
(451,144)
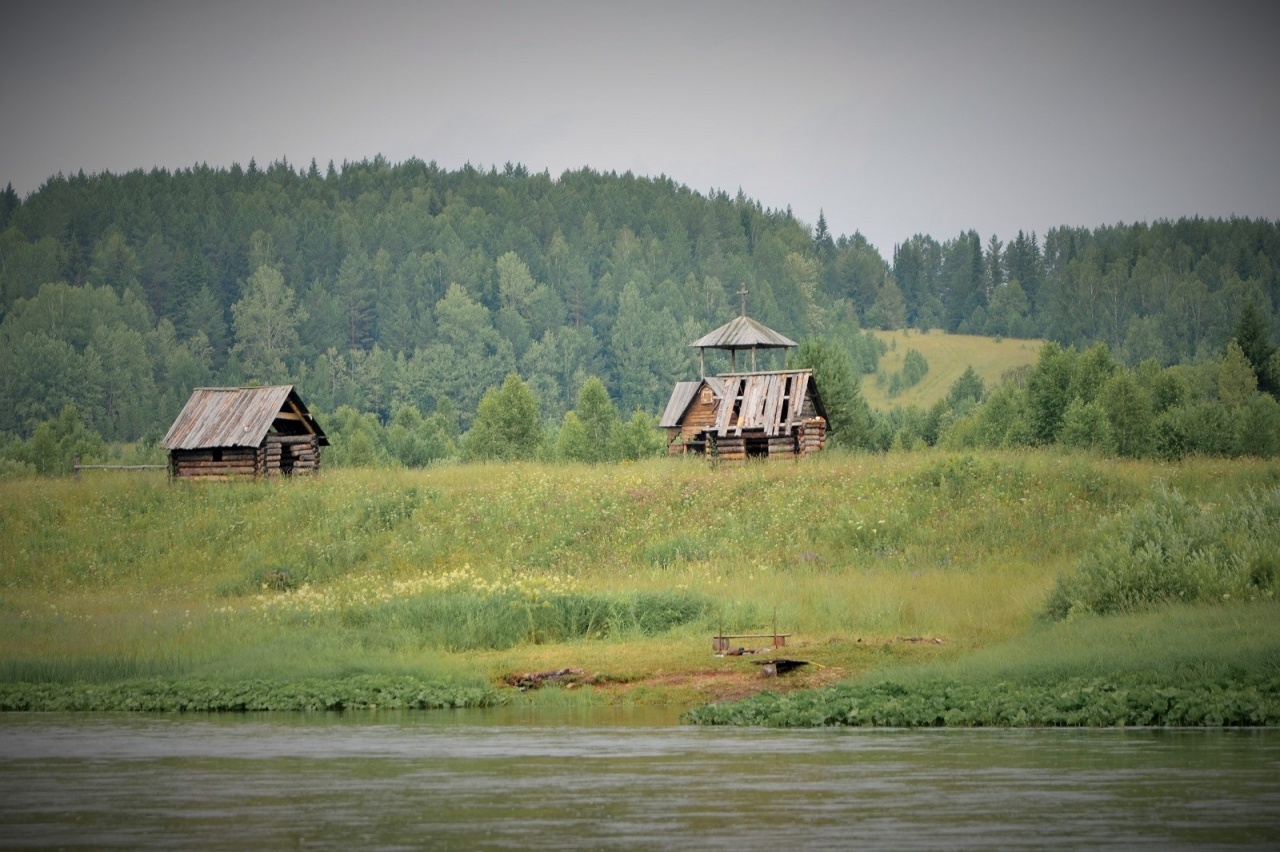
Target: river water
(634,779)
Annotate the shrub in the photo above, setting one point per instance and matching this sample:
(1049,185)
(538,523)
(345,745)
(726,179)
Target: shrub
(1085,427)
(1170,550)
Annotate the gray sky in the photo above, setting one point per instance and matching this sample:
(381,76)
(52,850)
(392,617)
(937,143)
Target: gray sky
(895,118)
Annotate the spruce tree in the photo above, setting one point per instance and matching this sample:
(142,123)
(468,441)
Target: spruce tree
(1254,341)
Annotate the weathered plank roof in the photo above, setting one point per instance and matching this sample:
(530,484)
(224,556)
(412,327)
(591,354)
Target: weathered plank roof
(239,417)
(680,399)
(770,401)
(743,333)
(682,395)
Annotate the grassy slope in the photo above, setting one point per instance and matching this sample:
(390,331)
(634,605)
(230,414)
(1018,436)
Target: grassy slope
(948,355)
(128,576)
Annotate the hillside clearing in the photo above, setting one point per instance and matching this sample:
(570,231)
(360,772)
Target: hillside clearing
(948,356)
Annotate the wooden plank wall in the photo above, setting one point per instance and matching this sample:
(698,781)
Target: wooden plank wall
(699,416)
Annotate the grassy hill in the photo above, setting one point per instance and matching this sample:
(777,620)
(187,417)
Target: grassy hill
(467,574)
(948,355)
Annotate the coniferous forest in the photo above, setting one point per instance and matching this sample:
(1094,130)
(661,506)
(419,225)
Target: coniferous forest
(397,296)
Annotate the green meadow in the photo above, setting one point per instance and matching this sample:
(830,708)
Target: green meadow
(948,355)
(929,579)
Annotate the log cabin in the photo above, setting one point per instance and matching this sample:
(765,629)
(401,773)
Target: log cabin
(230,433)
(740,415)
(737,416)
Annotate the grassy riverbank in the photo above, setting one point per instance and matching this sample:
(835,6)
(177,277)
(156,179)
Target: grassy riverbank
(454,578)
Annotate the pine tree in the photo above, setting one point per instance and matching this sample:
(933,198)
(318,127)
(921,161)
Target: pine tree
(1236,378)
(9,203)
(1255,344)
(823,244)
(848,416)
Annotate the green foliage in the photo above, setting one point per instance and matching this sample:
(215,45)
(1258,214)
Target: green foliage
(1169,550)
(468,620)
(266,326)
(200,695)
(1129,412)
(1002,421)
(1166,388)
(1085,427)
(1092,370)
(1169,413)
(422,285)
(889,310)
(638,438)
(673,550)
(1074,702)
(1254,340)
(848,416)
(508,426)
(1049,391)
(356,439)
(1204,427)
(914,368)
(572,443)
(12,468)
(589,433)
(53,447)
(1237,381)
(1259,427)
(968,388)
(417,442)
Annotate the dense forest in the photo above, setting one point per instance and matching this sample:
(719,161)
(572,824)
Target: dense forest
(406,291)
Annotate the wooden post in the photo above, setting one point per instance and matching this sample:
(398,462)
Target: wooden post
(75,466)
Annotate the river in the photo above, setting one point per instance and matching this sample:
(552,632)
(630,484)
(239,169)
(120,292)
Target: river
(605,779)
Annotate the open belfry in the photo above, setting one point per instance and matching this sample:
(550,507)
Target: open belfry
(745,414)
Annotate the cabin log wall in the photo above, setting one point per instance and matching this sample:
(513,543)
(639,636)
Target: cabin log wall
(278,454)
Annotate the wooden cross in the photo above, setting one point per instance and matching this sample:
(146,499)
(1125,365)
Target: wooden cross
(743,293)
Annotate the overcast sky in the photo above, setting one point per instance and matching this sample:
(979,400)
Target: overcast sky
(895,118)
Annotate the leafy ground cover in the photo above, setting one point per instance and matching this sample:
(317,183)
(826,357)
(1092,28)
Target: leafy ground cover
(363,692)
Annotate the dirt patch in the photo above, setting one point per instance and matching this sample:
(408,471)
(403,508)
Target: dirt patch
(701,678)
(740,680)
